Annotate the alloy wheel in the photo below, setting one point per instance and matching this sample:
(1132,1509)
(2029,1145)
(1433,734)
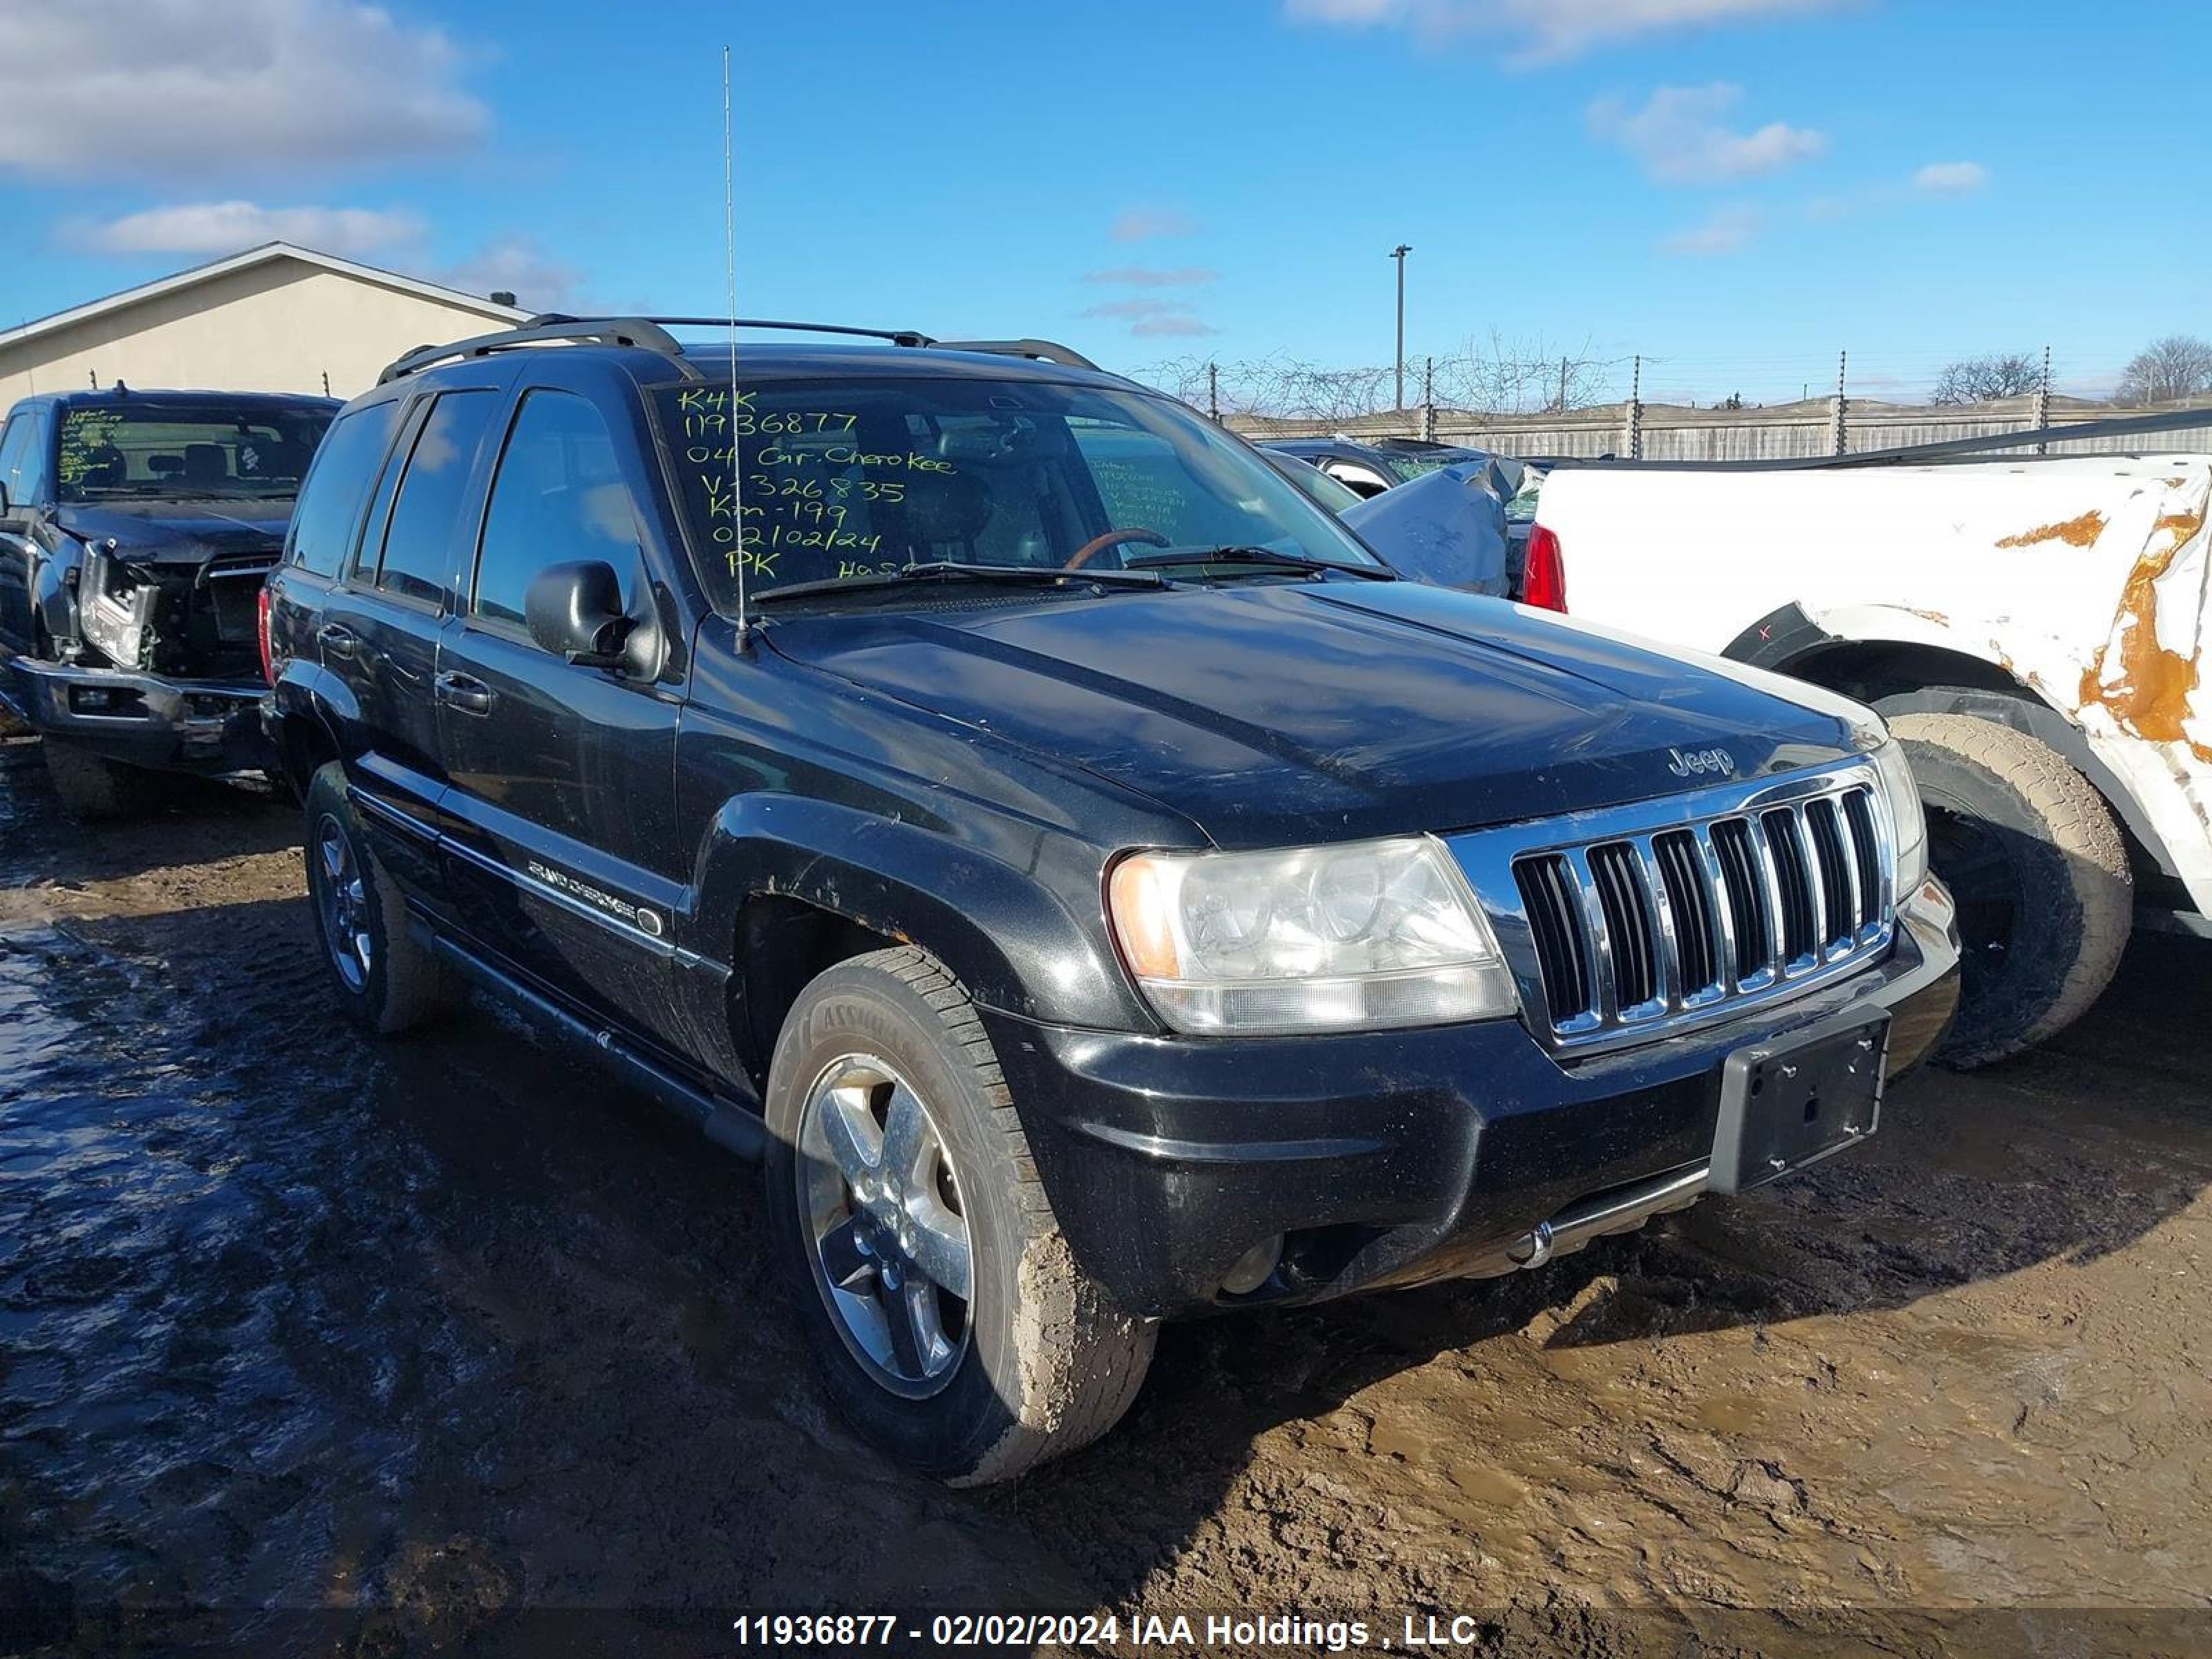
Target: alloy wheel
(342,901)
(891,1253)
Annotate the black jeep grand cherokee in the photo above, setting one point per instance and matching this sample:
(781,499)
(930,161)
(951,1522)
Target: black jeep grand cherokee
(1102,893)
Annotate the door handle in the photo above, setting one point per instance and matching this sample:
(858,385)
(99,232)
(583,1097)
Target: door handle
(464,694)
(337,640)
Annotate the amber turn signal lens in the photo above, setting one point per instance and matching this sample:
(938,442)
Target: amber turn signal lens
(1140,903)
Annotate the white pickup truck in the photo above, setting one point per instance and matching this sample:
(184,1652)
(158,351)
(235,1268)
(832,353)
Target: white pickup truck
(2033,629)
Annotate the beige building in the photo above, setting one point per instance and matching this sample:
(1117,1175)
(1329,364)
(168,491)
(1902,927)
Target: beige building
(273,318)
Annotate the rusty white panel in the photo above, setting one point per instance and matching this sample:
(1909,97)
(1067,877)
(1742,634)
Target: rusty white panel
(2086,578)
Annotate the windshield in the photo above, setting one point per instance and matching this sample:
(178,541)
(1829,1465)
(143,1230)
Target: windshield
(1316,484)
(1409,466)
(856,477)
(176,452)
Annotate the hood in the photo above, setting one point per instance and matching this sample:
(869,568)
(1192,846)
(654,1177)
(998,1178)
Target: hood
(180,533)
(1446,527)
(1273,715)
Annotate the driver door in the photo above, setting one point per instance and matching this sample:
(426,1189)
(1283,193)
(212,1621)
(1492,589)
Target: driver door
(562,851)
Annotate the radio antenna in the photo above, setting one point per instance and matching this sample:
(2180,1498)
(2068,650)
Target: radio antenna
(730,267)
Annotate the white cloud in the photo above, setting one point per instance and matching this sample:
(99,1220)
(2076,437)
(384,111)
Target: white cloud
(129,88)
(519,266)
(1138,224)
(1951,178)
(1173,327)
(1544,31)
(1678,136)
(1154,318)
(219,228)
(1153,277)
(1724,230)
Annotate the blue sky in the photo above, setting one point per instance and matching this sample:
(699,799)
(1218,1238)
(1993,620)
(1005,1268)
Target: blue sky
(1734,188)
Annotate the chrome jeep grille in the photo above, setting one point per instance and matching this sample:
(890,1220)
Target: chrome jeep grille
(1628,924)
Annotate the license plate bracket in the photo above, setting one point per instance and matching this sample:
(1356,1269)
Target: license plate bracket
(1794,1101)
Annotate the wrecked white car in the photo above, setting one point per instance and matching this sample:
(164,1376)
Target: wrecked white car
(2032,628)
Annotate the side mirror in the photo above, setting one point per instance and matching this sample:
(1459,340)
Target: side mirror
(574,610)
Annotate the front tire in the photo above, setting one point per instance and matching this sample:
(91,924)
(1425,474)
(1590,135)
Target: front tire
(954,1328)
(2040,873)
(385,979)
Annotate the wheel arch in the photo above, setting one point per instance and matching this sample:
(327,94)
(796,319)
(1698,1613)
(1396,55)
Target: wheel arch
(1909,662)
(789,886)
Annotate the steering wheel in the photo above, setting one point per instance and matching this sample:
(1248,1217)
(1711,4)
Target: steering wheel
(1097,545)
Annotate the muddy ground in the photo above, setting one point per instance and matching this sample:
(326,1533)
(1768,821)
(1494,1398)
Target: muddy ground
(442,1325)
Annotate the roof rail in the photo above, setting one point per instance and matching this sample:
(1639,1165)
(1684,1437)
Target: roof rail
(1044,351)
(603,330)
(898,336)
(651,334)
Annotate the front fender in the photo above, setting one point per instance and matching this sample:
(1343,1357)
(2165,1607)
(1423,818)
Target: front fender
(1028,939)
(54,574)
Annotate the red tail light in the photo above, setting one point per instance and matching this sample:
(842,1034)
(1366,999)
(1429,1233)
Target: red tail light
(261,632)
(1544,580)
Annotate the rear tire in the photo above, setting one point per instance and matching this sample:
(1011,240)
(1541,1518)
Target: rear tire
(1033,1362)
(385,979)
(2040,872)
(92,789)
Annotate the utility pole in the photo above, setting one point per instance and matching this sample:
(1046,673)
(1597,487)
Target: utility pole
(1562,385)
(1429,400)
(1213,391)
(1399,253)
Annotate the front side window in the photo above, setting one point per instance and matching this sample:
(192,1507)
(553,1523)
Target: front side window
(420,536)
(560,496)
(849,478)
(16,460)
(331,500)
(171,450)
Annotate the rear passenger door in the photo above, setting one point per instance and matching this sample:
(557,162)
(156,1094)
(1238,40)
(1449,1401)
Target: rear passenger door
(379,633)
(562,852)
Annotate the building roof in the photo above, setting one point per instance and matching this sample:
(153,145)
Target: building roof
(266,253)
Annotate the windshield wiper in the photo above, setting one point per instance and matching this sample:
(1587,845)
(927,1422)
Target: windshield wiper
(1255,557)
(1024,576)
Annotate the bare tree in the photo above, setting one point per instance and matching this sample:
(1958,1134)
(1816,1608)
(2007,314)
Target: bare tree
(2164,371)
(1978,379)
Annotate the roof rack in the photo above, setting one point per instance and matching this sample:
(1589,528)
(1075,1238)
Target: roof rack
(603,330)
(651,334)
(1043,351)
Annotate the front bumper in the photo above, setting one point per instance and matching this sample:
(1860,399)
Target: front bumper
(211,726)
(1398,1157)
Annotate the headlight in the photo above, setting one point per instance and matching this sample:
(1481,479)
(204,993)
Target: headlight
(1358,937)
(1906,813)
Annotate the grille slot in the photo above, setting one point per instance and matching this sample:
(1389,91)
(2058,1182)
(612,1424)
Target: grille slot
(1555,922)
(1786,851)
(1839,905)
(1628,922)
(1632,932)
(1689,898)
(1746,887)
(1866,851)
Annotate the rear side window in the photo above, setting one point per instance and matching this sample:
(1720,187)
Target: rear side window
(419,537)
(560,496)
(329,512)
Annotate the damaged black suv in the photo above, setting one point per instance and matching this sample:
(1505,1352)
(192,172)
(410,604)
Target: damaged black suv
(1097,888)
(135,529)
